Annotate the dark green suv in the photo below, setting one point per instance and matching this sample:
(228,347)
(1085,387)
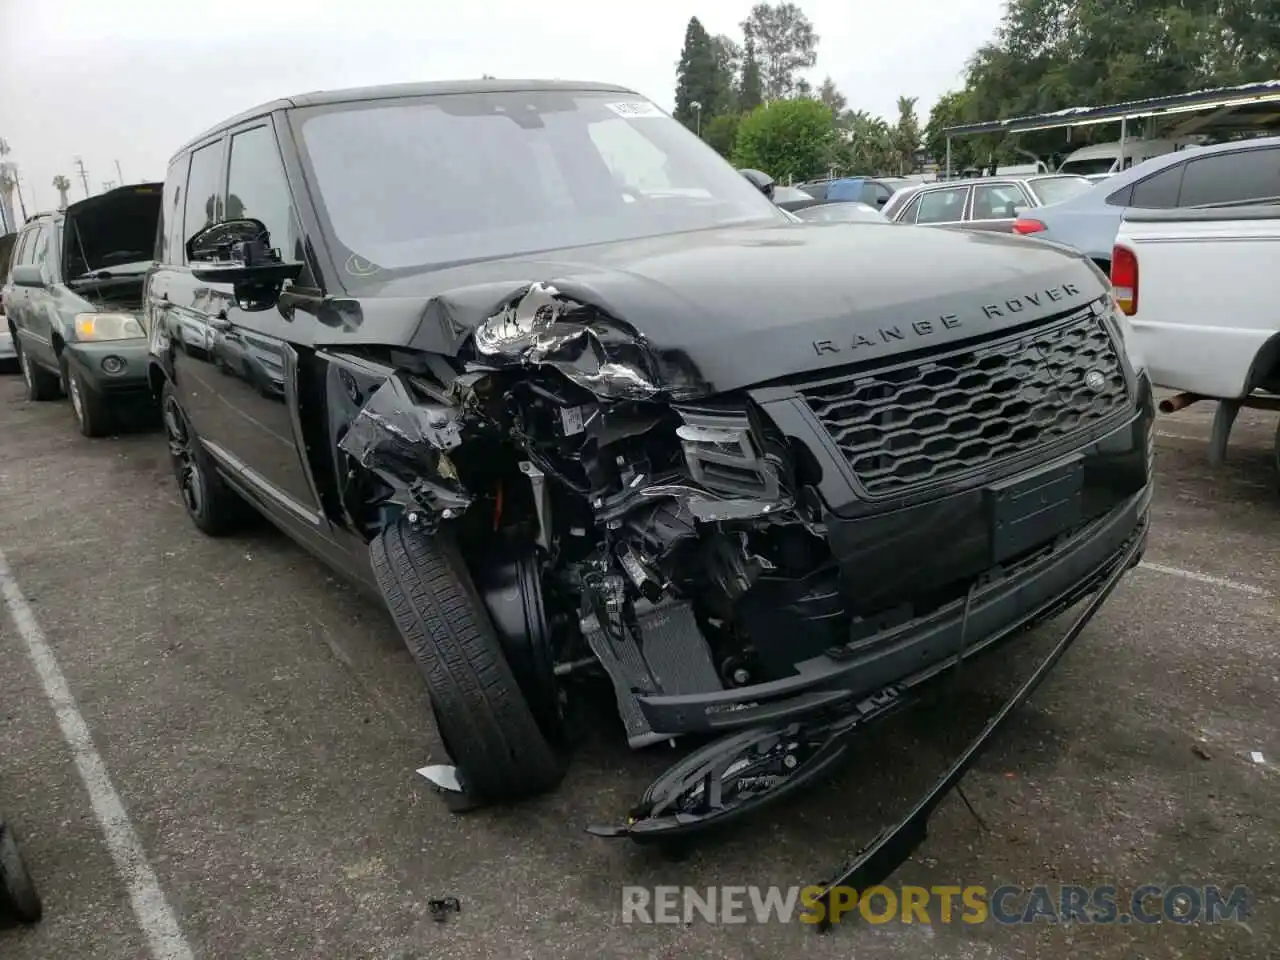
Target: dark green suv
(72,302)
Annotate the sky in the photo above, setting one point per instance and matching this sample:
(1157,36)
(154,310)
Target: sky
(130,81)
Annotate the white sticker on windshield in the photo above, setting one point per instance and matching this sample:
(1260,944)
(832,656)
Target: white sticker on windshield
(636,109)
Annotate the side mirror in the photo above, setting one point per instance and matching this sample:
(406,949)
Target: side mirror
(238,252)
(760,180)
(28,275)
(881,200)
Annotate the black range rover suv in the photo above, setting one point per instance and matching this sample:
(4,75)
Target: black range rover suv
(539,368)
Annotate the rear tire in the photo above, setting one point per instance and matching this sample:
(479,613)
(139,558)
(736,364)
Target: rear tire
(15,881)
(500,752)
(41,384)
(212,505)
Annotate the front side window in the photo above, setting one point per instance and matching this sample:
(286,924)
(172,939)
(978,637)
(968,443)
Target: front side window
(424,182)
(42,252)
(203,205)
(943,206)
(257,188)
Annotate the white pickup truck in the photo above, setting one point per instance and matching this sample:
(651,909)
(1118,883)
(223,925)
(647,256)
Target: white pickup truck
(1201,288)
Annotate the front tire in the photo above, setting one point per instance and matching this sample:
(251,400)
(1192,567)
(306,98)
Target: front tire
(15,881)
(212,506)
(41,384)
(93,416)
(500,752)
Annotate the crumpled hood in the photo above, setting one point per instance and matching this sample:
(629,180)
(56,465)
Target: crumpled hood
(754,304)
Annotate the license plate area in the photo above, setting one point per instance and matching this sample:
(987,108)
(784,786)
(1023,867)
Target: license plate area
(1032,509)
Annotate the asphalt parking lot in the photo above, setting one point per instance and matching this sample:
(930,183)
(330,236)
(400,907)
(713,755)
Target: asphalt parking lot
(260,725)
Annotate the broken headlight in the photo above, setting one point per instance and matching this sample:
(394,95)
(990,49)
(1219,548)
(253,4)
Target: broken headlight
(723,455)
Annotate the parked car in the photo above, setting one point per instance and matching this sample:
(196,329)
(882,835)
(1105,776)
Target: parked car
(873,191)
(987,203)
(792,198)
(1104,158)
(73,302)
(841,212)
(576,425)
(1244,171)
(8,354)
(1209,341)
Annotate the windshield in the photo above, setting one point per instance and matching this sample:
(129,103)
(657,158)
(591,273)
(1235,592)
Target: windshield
(1082,167)
(1056,189)
(419,182)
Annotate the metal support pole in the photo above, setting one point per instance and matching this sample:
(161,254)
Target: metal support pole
(948,176)
(1124,128)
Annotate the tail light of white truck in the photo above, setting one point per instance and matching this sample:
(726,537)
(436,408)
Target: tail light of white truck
(1026,226)
(1124,279)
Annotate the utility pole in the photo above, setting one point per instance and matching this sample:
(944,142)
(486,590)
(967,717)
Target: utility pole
(119,174)
(84,177)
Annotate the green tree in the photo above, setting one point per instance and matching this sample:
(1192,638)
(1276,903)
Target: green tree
(728,54)
(906,135)
(829,94)
(869,144)
(722,132)
(750,83)
(788,139)
(1051,54)
(785,42)
(697,77)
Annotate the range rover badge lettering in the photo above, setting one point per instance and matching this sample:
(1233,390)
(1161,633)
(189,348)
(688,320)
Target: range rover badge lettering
(1095,381)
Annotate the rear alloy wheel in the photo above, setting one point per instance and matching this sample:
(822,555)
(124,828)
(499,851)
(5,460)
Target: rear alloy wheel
(212,506)
(92,415)
(41,384)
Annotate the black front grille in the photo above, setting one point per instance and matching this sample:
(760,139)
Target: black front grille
(928,421)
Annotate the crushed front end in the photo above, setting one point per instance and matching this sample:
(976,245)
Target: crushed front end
(778,564)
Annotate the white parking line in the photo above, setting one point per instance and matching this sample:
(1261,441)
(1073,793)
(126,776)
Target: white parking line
(149,904)
(1248,588)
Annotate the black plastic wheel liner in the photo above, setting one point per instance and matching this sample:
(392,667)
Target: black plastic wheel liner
(508,580)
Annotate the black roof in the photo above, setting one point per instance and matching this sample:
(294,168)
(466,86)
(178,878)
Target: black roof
(435,88)
(1255,105)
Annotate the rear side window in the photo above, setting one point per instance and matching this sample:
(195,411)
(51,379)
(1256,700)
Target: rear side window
(909,214)
(996,201)
(257,188)
(202,206)
(943,206)
(1240,177)
(1159,191)
(23,251)
(169,231)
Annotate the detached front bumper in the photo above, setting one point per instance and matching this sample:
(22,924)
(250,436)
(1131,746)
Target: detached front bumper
(1109,481)
(114,368)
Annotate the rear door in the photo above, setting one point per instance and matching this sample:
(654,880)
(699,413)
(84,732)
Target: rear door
(240,364)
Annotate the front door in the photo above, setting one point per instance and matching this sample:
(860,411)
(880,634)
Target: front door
(235,366)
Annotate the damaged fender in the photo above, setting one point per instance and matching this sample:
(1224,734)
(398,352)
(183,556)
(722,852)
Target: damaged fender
(405,440)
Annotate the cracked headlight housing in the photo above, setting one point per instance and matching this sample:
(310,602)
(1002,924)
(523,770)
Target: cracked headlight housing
(107,326)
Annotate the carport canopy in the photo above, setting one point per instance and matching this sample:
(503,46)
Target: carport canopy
(1247,108)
